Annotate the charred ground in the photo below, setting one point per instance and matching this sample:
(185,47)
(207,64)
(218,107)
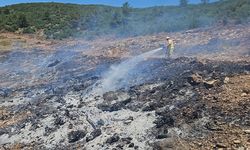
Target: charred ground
(192,106)
(48,100)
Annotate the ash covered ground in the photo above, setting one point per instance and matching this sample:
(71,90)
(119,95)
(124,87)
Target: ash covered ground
(125,94)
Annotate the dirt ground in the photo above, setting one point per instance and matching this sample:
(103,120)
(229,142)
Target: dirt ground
(233,100)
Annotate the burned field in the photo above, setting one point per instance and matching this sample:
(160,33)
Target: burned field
(181,103)
(193,104)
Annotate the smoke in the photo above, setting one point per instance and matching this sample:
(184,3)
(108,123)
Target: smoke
(24,68)
(126,74)
(144,21)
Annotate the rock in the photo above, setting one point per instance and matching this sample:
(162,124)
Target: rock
(78,87)
(130,118)
(150,107)
(94,134)
(107,107)
(226,80)
(126,140)
(247,131)
(21,126)
(220,145)
(70,106)
(80,105)
(113,139)
(70,126)
(120,146)
(210,84)
(127,122)
(243,95)
(195,79)
(113,107)
(247,91)
(54,63)
(100,122)
(237,141)
(131,145)
(199,144)
(11,101)
(212,126)
(161,136)
(34,126)
(74,136)
(66,113)
(110,96)
(59,121)
(167,144)
(164,120)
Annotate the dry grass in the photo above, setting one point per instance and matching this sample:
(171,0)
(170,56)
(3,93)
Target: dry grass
(5,45)
(10,41)
(5,42)
(2,37)
(18,146)
(7,118)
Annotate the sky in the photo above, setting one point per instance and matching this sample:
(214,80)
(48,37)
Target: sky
(133,3)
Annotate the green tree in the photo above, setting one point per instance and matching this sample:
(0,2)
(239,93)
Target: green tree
(117,19)
(22,21)
(183,3)
(126,9)
(194,23)
(6,11)
(47,16)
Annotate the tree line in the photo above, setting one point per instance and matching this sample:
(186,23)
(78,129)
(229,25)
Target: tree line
(58,21)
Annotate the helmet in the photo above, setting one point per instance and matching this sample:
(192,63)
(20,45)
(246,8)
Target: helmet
(167,37)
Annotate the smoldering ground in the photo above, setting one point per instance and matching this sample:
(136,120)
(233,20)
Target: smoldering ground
(69,114)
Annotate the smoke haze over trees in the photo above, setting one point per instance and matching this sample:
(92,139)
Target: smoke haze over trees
(59,21)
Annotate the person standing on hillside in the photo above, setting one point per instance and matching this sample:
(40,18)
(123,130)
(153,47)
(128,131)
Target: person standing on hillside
(170,47)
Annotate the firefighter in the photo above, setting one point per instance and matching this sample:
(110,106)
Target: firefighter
(170,47)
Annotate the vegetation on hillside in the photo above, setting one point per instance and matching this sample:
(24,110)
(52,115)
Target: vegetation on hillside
(59,21)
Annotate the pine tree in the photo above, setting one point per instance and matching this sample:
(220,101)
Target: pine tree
(183,3)
(126,9)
